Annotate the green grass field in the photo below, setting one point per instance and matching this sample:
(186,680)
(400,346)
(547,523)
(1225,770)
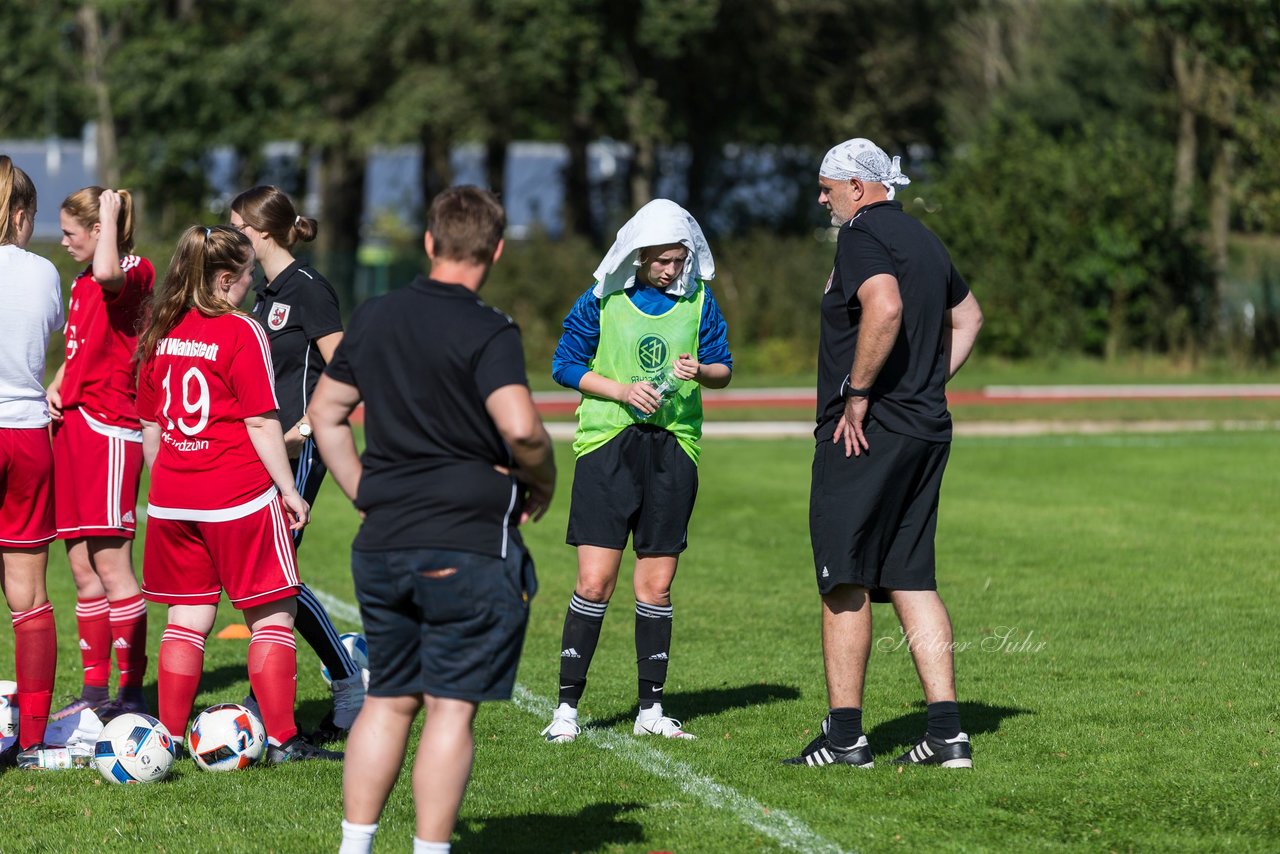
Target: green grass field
(1113,600)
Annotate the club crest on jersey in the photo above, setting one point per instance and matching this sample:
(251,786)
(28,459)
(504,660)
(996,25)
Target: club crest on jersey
(279,316)
(653,352)
(831,278)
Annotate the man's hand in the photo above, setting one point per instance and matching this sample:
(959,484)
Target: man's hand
(849,427)
(293,443)
(537,499)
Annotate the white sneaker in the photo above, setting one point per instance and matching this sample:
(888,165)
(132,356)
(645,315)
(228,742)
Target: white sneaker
(564,725)
(348,698)
(651,721)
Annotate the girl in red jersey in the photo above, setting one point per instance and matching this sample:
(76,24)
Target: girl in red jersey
(97,445)
(32,310)
(220,484)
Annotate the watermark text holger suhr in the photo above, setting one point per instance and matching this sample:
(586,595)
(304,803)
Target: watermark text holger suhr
(1005,639)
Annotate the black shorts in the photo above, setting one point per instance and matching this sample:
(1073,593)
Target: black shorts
(640,483)
(444,623)
(872,518)
(308,474)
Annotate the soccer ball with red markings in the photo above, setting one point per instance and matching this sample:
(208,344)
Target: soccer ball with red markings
(133,748)
(226,737)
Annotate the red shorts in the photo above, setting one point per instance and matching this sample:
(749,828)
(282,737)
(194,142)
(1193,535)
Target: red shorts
(26,488)
(190,563)
(97,478)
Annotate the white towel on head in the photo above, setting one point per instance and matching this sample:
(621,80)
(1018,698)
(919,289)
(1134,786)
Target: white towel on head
(863,159)
(659,223)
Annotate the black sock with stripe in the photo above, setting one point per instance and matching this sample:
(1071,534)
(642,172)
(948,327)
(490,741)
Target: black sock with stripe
(653,651)
(578,642)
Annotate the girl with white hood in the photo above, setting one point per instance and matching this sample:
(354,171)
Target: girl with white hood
(639,345)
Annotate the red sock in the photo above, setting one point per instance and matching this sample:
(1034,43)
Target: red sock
(35,651)
(129,637)
(273,675)
(181,660)
(95,640)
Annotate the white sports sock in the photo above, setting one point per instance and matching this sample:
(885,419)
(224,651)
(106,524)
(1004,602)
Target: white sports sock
(357,838)
(652,713)
(421,846)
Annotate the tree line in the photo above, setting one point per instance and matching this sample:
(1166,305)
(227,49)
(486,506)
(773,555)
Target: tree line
(1091,164)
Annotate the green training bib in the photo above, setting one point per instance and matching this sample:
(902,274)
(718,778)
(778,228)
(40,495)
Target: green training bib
(635,346)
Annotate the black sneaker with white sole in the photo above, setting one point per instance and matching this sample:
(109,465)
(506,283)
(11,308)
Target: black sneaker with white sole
(821,751)
(948,752)
(299,749)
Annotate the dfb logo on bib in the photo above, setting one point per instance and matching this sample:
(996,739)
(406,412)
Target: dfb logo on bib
(279,315)
(652,352)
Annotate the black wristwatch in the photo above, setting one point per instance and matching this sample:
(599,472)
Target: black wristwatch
(850,391)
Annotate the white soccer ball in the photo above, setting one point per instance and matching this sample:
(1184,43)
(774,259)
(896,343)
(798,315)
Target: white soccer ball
(8,708)
(226,737)
(357,648)
(133,748)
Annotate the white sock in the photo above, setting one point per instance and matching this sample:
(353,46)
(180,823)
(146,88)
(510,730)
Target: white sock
(421,846)
(357,838)
(564,710)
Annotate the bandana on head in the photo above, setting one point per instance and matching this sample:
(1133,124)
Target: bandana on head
(659,223)
(864,160)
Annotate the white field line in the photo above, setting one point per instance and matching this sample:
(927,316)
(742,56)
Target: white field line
(779,826)
(1146,390)
(563,430)
(787,831)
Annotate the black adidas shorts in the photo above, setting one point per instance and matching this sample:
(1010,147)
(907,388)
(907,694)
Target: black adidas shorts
(872,518)
(641,483)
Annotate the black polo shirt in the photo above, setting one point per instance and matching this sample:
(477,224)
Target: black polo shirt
(908,396)
(425,358)
(296,308)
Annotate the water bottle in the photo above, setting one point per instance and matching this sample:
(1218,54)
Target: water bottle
(665,384)
(57,759)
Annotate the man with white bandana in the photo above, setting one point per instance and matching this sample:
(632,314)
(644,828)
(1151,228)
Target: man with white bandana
(898,321)
(639,345)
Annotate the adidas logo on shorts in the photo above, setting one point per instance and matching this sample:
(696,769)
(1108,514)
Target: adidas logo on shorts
(569,653)
(128,517)
(825,574)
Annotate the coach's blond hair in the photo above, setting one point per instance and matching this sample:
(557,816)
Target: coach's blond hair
(270,210)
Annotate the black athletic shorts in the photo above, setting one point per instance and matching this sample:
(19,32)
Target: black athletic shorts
(872,518)
(640,483)
(444,623)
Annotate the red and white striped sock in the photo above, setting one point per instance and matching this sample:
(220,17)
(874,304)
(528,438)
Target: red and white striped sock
(181,660)
(35,649)
(273,675)
(129,638)
(93,623)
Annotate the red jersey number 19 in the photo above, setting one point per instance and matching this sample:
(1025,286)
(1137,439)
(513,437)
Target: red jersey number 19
(198,406)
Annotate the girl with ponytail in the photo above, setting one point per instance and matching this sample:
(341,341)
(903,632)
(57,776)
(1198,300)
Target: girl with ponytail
(222,499)
(299,309)
(97,445)
(32,311)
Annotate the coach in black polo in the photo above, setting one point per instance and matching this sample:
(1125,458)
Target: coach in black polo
(456,458)
(897,322)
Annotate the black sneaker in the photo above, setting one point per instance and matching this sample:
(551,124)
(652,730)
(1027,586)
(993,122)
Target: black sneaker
(949,753)
(121,706)
(297,749)
(327,730)
(9,756)
(821,751)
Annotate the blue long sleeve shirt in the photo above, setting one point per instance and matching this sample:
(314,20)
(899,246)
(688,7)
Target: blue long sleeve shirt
(581,336)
